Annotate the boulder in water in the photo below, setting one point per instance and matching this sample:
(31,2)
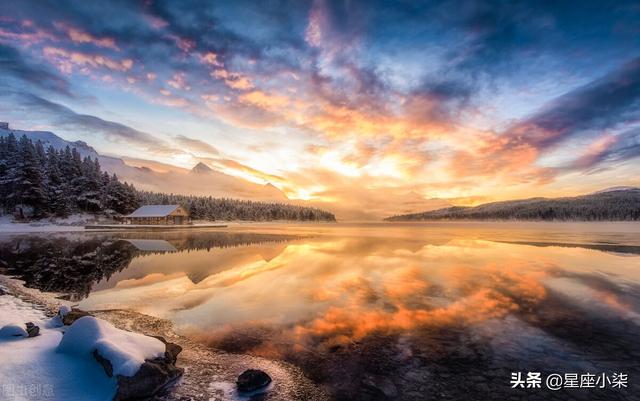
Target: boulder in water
(252,380)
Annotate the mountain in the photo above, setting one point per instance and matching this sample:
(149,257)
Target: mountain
(201,168)
(610,204)
(412,202)
(35,185)
(148,175)
(201,180)
(619,188)
(50,139)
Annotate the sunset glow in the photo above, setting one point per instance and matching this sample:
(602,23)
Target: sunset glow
(350,106)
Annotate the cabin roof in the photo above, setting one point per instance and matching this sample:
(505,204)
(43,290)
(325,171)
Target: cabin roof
(154,211)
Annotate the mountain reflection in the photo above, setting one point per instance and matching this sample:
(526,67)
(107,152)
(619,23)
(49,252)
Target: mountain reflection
(73,263)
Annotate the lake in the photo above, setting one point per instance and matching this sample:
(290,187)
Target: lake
(377,311)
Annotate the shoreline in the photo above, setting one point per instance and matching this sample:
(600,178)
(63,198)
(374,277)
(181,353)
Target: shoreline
(52,226)
(42,226)
(209,373)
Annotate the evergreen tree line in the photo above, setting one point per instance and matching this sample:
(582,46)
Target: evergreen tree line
(617,205)
(36,182)
(210,208)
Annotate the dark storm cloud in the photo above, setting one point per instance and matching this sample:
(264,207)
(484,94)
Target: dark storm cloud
(40,109)
(13,65)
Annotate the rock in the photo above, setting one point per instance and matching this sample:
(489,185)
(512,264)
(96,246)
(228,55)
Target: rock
(73,315)
(252,380)
(171,350)
(2,291)
(106,364)
(379,387)
(154,375)
(32,329)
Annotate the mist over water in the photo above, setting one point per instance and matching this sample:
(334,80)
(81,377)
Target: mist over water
(376,311)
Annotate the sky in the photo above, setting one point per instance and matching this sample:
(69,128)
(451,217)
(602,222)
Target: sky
(340,102)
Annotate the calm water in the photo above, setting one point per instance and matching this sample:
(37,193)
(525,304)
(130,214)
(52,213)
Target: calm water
(376,311)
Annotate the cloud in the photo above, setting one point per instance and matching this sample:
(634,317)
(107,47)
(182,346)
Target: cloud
(609,102)
(242,169)
(608,149)
(196,145)
(68,60)
(79,36)
(12,64)
(57,115)
(604,103)
(435,94)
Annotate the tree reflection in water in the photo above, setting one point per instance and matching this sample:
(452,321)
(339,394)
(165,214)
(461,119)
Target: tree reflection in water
(71,264)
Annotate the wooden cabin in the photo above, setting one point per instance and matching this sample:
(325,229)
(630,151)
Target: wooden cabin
(159,215)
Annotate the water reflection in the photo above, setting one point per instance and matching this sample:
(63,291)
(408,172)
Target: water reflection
(72,264)
(400,314)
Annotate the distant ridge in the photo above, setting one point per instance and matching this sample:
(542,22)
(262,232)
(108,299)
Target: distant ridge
(620,188)
(611,204)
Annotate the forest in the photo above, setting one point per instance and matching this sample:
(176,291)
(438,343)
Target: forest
(209,208)
(38,183)
(609,205)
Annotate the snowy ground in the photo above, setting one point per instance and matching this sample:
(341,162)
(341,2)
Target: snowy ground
(58,364)
(32,369)
(75,222)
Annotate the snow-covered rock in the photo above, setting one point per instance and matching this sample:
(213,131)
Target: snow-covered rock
(60,377)
(13,330)
(72,366)
(126,351)
(63,310)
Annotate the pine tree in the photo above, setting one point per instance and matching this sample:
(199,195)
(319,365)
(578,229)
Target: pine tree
(89,192)
(56,186)
(28,186)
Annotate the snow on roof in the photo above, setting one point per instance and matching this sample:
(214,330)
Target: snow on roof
(154,211)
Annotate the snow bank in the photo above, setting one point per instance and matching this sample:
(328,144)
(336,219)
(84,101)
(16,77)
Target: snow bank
(7,225)
(13,330)
(125,350)
(16,311)
(33,363)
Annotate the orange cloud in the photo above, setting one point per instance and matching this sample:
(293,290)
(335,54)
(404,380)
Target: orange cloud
(179,81)
(264,100)
(67,60)
(233,80)
(79,36)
